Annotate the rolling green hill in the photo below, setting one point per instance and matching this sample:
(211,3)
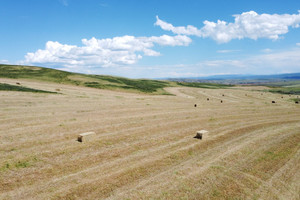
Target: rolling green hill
(95,81)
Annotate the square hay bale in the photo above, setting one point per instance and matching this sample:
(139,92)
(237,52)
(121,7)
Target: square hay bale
(201,134)
(85,137)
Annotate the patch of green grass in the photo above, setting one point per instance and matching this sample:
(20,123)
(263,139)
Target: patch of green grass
(270,160)
(216,193)
(217,167)
(142,85)
(212,119)
(286,90)
(8,87)
(204,85)
(270,155)
(19,164)
(22,164)
(295,99)
(190,152)
(5,167)
(145,85)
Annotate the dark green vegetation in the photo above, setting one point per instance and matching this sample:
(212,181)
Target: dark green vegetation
(204,85)
(8,87)
(295,100)
(143,85)
(286,90)
(285,87)
(95,81)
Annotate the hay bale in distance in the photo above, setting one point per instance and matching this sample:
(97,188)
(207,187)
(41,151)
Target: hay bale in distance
(201,134)
(273,102)
(296,102)
(86,136)
(207,99)
(195,105)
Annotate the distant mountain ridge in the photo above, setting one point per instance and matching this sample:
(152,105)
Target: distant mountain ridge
(294,76)
(278,79)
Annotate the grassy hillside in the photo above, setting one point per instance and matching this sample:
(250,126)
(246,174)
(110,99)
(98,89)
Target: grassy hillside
(285,87)
(286,90)
(96,81)
(204,85)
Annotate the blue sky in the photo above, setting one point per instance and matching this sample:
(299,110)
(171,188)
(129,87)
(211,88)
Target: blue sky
(153,39)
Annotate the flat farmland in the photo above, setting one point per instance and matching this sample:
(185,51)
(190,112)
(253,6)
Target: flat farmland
(144,146)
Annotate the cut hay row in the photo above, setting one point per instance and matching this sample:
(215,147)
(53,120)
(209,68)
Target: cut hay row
(198,166)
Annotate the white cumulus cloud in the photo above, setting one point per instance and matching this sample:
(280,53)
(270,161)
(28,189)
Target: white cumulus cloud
(189,30)
(246,25)
(103,52)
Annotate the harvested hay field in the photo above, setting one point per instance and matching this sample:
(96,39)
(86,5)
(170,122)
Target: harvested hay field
(144,146)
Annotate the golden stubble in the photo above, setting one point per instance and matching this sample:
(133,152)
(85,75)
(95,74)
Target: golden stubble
(144,146)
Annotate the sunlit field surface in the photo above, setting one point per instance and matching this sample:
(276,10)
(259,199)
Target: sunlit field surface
(144,146)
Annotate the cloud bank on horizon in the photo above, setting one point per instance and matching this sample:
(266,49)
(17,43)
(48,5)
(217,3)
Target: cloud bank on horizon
(128,50)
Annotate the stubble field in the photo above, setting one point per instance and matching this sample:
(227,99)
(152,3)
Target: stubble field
(144,146)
